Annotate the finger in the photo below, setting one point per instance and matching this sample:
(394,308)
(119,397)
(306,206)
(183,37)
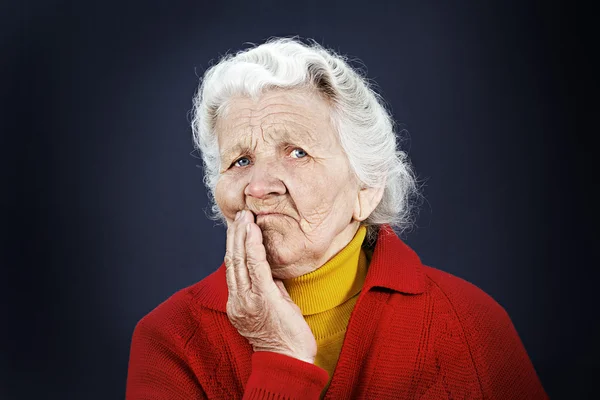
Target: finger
(256,259)
(240,269)
(229,268)
(282,289)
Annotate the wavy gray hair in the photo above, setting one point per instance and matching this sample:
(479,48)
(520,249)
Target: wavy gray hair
(365,128)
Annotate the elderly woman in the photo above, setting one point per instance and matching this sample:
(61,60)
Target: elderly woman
(317,296)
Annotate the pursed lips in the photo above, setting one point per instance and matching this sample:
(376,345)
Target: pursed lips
(267,213)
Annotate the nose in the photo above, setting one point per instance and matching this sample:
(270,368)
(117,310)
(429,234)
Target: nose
(264,182)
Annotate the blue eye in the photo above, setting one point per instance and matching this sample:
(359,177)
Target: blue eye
(299,153)
(242,162)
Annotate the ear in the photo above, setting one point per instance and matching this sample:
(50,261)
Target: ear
(367,200)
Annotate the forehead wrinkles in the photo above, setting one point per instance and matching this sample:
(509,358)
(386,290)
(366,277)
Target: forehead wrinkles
(274,121)
(272,113)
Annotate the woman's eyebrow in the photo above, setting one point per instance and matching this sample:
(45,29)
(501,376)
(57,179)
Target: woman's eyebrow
(302,138)
(234,151)
(298,137)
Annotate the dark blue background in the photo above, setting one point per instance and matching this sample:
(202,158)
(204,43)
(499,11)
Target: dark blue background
(105,203)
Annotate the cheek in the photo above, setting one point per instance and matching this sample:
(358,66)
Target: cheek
(229,196)
(329,195)
(317,195)
(309,191)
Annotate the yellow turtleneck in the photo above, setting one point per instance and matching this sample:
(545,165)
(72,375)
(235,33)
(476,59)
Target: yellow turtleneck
(327,296)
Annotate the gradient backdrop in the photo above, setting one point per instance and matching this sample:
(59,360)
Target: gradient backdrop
(104,209)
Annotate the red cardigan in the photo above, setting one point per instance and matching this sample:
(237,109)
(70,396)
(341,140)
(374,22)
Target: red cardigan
(415,333)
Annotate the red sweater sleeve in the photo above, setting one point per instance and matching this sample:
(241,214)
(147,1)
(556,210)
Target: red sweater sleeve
(159,367)
(279,376)
(503,366)
(502,361)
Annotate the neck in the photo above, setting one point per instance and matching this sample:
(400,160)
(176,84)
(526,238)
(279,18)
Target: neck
(334,283)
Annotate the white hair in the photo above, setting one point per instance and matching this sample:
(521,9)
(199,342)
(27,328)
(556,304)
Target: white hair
(364,126)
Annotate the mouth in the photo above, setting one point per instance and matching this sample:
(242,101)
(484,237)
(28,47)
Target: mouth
(269,215)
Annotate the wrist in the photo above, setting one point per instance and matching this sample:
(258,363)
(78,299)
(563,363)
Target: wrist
(284,375)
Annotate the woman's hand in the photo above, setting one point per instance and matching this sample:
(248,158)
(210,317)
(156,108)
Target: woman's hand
(258,306)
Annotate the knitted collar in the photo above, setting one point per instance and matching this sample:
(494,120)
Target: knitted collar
(394,265)
(332,284)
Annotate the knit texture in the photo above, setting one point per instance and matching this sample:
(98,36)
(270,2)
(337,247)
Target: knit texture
(415,333)
(327,297)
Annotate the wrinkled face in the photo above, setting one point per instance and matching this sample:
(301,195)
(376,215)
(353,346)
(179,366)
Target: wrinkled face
(281,159)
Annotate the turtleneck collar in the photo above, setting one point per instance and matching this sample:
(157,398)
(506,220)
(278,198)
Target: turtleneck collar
(338,280)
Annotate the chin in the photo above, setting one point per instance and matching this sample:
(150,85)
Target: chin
(277,253)
(280,249)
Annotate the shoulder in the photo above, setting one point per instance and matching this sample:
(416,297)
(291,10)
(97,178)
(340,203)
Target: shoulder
(482,321)
(179,315)
(501,362)
(466,299)
(173,319)
(160,350)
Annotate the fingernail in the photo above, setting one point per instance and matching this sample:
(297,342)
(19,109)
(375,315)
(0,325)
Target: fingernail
(242,214)
(237,215)
(247,228)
